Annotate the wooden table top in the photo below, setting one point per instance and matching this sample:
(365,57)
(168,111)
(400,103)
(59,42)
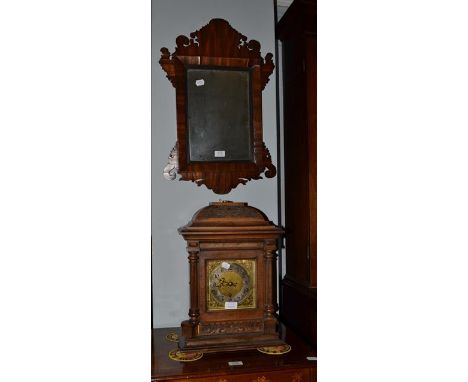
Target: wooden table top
(216,364)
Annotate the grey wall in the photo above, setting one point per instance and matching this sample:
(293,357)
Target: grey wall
(281,10)
(174,202)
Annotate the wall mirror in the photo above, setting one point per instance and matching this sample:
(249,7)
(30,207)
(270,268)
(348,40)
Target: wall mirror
(219,77)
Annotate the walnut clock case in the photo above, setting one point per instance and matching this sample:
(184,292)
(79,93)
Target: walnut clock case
(232,258)
(218,76)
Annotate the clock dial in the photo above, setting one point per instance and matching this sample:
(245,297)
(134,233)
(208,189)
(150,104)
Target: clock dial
(231,281)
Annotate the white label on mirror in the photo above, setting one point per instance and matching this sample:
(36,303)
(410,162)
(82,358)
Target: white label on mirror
(220,154)
(230,305)
(225,265)
(200,82)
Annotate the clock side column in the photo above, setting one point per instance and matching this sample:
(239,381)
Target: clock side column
(271,305)
(189,327)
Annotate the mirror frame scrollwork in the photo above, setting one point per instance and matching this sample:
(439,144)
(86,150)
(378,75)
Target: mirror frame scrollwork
(218,45)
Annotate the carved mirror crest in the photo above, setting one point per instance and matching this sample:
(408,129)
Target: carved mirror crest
(219,77)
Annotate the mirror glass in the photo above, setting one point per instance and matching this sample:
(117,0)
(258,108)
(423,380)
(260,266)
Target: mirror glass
(219,116)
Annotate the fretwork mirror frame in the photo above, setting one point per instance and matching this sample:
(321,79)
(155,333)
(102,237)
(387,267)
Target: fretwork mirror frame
(218,52)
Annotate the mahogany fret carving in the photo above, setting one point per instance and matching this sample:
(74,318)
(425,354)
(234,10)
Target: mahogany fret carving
(218,45)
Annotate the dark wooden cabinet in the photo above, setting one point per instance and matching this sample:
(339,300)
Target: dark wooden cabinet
(297,31)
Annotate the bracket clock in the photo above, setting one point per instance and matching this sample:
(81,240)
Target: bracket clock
(232,258)
(218,77)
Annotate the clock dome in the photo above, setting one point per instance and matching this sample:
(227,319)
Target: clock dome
(229,217)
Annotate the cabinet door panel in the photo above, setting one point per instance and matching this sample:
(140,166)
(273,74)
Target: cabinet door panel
(296,165)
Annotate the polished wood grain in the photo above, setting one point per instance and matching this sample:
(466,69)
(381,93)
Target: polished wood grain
(218,45)
(230,231)
(297,31)
(214,367)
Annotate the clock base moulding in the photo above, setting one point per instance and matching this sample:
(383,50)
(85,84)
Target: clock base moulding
(223,342)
